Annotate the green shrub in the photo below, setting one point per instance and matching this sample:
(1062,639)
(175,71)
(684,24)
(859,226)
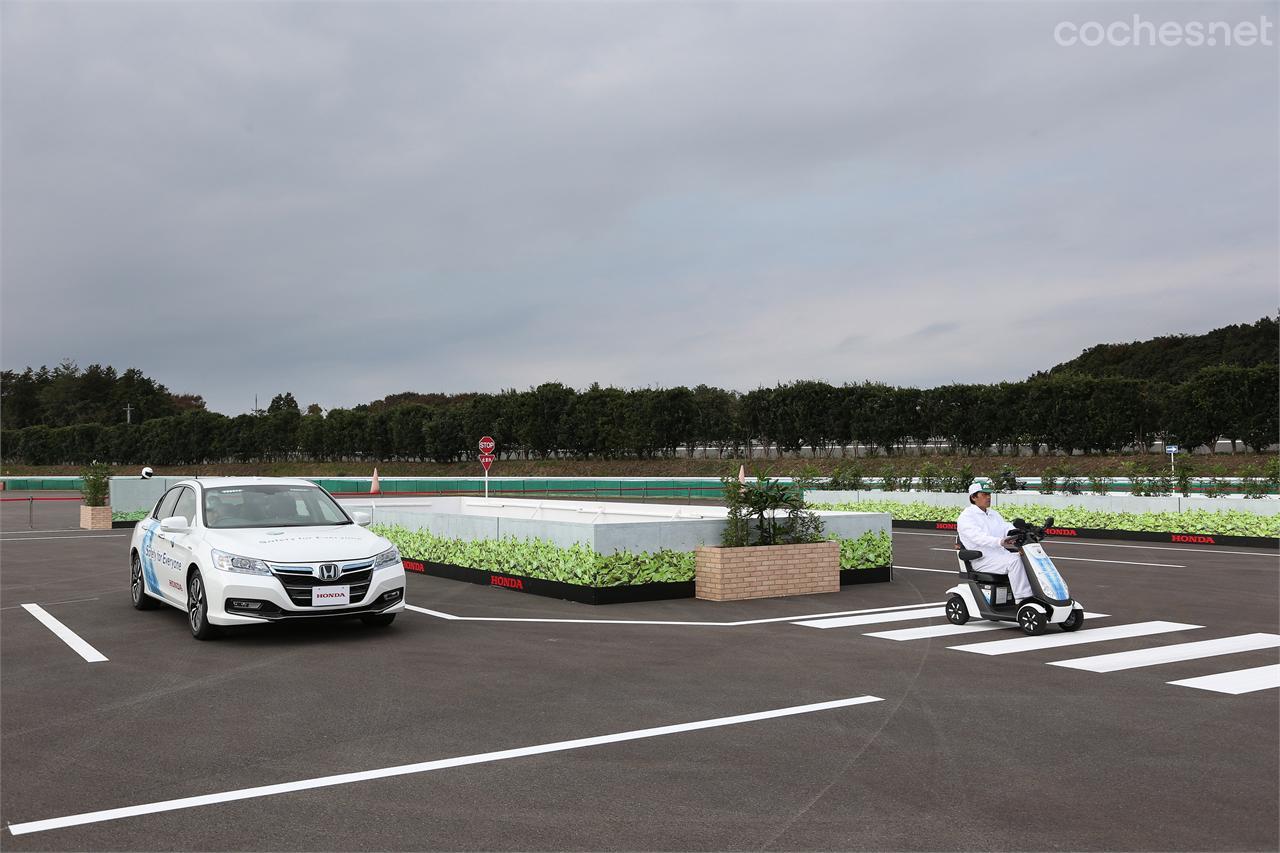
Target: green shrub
(135,515)
(96,479)
(869,551)
(846,478)
(1099,485)
(1201,521)
(1005,481)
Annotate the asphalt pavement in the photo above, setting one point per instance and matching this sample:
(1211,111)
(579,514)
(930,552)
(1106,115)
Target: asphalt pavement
(526,723)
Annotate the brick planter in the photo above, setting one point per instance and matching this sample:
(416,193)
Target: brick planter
(767,571)
(95,517)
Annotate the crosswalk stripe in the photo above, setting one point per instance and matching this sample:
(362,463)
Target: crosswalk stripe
(948,629)
(874,618)
(1087,635)
(1171,654)
(1237,682)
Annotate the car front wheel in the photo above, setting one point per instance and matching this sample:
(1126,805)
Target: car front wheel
(137,586)
(198,608)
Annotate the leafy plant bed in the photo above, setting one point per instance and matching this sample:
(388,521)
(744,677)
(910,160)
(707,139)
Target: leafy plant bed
(1134,535)
(1210,523)
(653,591)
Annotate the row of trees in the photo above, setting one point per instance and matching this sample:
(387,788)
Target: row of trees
(1062,413)
(67,395)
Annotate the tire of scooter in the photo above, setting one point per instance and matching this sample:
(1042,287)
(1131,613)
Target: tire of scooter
(1031,620)
(957,612)
(1072,622)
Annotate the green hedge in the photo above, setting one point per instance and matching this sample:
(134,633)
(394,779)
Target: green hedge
(1205,522)
(579,564)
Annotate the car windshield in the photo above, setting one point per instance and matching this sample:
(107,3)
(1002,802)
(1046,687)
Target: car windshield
(270,506)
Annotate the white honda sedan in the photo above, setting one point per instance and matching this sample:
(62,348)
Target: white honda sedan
(246,550)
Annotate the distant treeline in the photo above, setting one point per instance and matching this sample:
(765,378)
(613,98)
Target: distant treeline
(1173,358)
(1060,412)
(67,395)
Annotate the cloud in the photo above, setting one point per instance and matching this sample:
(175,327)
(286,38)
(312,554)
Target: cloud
(344,204)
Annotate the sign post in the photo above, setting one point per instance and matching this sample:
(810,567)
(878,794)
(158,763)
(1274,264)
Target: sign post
(487,445)
(1171,449)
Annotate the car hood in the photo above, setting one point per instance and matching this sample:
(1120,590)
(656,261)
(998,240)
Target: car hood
(299,544)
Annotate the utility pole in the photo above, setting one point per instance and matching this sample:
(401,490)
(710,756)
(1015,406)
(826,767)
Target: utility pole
(128,413)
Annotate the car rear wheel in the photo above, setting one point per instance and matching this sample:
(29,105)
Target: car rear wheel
(378,620)
(198,608)
(137,586)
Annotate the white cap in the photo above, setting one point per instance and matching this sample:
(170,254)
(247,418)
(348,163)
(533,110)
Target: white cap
(974,488)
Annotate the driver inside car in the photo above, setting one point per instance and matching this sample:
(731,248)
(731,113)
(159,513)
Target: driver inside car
(981,528)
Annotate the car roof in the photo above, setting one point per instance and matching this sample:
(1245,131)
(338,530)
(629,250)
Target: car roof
(224,482)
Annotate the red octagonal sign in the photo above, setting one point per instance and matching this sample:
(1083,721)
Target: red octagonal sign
(487,444)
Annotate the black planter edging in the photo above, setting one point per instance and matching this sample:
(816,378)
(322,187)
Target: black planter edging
(879,574)
(556,589)
(601,594)
(1137,535)
(124,524)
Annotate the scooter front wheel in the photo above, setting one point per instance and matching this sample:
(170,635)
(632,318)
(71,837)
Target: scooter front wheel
(1074,621)
(1031,620)
(957,613)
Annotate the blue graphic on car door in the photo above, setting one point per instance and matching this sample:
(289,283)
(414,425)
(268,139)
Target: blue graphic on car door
(148,566)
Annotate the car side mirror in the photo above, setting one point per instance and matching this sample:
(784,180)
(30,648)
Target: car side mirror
(175,524)
(362,518)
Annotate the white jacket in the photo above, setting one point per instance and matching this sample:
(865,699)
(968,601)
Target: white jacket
(983,531)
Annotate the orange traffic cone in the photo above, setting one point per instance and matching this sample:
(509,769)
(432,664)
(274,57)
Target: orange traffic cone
(375,488)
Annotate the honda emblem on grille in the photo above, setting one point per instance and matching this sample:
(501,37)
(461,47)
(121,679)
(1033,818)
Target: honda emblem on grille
(329,571)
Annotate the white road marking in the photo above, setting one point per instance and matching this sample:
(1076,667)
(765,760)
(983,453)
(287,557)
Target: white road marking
(62,632)
(1087,635)
(947,629)
(1054,541)
(873,618)
(52,603)
(7,538)
(1171,654)
(424,767)
(1235,683)
(442,615)
(939,571)
(1091,560)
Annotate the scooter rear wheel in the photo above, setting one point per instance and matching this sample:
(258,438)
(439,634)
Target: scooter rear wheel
(957,613)
(1031,620)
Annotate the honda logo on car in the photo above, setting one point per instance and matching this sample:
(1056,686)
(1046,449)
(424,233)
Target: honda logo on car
(510,583)
(1195,540)
(329,571)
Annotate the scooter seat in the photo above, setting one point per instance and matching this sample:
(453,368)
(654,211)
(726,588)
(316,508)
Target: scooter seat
(983,577)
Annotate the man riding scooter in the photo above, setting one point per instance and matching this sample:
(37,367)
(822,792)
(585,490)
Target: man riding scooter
(981,528)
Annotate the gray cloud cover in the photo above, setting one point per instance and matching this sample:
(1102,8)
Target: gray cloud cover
(347,201)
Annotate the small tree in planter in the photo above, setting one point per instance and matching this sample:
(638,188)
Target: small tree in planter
(772,546)
(95,514)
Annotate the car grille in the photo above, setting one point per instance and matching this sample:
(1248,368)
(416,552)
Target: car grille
(298,581)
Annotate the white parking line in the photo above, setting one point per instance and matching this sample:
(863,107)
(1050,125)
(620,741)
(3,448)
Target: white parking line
(1091,560)
(947,629)
(1235,683)
(1171,654)
(424,767)
(1094,635)
(441,615)
(873,618)
(62,632)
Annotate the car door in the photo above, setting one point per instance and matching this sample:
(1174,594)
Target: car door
(181,546)
(155,546)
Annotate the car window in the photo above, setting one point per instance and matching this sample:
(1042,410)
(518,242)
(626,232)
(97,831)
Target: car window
(186,506)
(270,505)
(164,509)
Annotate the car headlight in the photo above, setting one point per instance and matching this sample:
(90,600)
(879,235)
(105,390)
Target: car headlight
(391,555)
(243,565)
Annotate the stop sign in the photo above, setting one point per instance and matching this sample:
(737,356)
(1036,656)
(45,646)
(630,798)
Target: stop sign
(487,444)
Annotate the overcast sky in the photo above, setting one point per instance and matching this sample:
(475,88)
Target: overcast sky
(348,201)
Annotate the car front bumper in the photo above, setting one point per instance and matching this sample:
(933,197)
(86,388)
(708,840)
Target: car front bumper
(227,602)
